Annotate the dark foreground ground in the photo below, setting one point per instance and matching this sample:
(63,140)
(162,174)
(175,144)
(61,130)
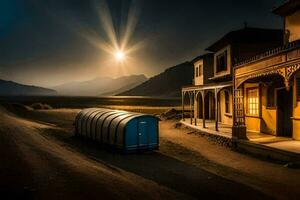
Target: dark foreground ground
(40,159)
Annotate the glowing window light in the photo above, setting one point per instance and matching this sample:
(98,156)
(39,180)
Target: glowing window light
(252,101)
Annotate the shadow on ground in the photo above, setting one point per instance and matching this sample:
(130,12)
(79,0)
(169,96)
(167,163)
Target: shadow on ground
(162,169)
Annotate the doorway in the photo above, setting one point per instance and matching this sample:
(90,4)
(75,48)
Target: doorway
(143,137)
(210,106)
(200,106)
(284,112)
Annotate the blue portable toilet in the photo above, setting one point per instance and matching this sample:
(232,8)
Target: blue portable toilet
(124,130)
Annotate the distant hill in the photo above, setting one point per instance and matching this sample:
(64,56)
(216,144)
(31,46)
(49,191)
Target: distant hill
(9,88)
(166,84)
(100,86)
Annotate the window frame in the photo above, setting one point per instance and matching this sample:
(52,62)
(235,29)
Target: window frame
(248,103)
(200,66)
(224,55)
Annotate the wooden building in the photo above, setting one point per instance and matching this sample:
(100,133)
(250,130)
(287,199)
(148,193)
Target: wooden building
(267,86)
(211,96)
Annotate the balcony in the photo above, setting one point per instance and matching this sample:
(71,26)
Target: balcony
(284,61)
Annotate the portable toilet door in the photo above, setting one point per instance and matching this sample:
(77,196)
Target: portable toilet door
(143,133)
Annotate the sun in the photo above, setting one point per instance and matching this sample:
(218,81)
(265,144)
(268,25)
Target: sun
(119,55)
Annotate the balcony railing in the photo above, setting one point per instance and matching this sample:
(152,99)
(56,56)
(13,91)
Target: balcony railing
(282,49)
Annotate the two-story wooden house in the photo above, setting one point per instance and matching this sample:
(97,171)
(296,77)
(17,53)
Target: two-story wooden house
(267,86)
(211,94)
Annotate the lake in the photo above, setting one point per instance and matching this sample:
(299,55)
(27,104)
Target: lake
(85,102)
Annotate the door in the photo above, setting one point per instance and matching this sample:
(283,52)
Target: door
(284,112)
(143,133)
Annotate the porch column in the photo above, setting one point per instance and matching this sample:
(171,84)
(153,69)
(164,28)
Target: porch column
(195,107)
(191,111)
(216,109)
(239,130)
(203,108)
(182,104)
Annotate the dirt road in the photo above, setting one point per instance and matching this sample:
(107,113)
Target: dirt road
(39,159)
(35,166)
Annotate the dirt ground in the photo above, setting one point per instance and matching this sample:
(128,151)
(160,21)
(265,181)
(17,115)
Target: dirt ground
(40,159)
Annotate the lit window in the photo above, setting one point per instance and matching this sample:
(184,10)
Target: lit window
(252,101)
(227,103)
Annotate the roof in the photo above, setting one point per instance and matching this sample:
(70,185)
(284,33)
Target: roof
(208,86)
(89,117)
(201,57)
(287,8)
(247,35)
(109,127)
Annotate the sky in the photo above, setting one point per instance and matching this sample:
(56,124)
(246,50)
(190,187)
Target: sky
(50,42)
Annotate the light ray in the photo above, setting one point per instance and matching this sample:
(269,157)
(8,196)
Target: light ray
(108,41)
(132,19)
(107,22)
(118,44)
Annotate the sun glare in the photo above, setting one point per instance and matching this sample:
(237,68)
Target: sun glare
(116,40)
(120,55)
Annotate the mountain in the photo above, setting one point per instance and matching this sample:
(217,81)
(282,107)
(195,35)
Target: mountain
(100,86)
(123,88)
(8,88)
(166,84)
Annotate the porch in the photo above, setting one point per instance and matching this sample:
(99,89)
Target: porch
(266,93)
(261,139)
(210,127)
(211,102)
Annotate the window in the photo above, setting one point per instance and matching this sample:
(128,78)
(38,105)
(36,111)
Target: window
(221,62)
(252,101)
(196,72)
(298,88)
(200,70)
(227,102)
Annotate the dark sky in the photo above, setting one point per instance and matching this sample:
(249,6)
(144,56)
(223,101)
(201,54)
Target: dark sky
(49,42)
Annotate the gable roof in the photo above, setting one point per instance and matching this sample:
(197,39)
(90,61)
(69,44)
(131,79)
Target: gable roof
(247,35)
(287,8)
(200,57)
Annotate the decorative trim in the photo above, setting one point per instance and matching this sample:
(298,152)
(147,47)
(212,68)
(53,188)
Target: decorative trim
(286,72)
(288,47)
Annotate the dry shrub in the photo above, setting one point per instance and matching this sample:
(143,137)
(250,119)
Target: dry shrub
(47,107)
(40,106)
(171,114)
(18,107)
